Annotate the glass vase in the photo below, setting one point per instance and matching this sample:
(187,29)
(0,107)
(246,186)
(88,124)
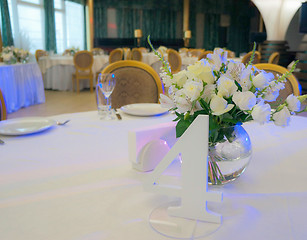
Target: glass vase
(229,154)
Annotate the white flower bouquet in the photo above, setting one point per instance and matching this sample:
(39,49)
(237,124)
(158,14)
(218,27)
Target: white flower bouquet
(71,51)
(12,55)
(231,93)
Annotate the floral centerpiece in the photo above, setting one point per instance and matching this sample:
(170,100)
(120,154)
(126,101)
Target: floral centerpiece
(12,55)
(71,51)
(231,93)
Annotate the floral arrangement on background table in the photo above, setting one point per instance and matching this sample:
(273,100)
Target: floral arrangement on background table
(71,51)
(231,93)
(12,55)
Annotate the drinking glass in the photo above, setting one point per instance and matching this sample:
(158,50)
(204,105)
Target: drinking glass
(106,84)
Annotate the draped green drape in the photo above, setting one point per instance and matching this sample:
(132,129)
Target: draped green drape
(155,18)
(50,35)
(238,32)
(7,36)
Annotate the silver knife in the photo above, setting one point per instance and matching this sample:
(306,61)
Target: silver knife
(119,117)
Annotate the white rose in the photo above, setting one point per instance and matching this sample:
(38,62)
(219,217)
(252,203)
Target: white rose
(202,72)
(219,105)
(226,87)
(244,100)
(270,96)
(261,80)
(261,112)
(181,102)
(180,78)
(245,80)
(294,104)
(282,117)
(209,92)
(192,89)
(166,102)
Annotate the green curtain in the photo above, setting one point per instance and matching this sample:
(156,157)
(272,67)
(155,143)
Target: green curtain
(7,36)
(155,18)
(50,35)
(238,32)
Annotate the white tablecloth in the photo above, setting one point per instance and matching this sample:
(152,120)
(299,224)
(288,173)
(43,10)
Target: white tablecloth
(75,182)
(22,85)
(57,71)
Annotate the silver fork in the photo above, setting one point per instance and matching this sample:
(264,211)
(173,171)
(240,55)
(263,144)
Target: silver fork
(62,123)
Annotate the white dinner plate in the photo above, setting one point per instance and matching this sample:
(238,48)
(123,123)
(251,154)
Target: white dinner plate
(23,126)
(144,109)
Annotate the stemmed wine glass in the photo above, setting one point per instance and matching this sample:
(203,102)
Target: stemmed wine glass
(106,84)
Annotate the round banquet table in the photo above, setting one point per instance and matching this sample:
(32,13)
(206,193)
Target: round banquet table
(57,71)
(22,85)
(76,182)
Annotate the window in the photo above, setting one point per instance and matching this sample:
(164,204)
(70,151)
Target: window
(27,20)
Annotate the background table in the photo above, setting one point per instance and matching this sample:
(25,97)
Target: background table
(22,85)
(57,71)
(76,182)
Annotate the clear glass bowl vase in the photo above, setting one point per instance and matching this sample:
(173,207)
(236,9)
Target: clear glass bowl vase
(229,154)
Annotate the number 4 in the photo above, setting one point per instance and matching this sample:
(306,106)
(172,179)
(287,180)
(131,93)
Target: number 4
(193,147)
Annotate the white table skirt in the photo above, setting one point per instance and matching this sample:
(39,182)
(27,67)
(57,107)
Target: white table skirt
(22,85)
(75,182)
(57,71)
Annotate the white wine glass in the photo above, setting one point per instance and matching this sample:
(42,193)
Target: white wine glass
(106,83)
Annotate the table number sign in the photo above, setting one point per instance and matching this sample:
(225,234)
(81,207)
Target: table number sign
(194,193)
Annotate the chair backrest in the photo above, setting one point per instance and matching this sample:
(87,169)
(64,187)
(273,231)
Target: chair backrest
(230,54)
(83,61)
(247,57)
(291,85)
(204,54)
(136,82)
(3,112)
(143,49)
(116,55)
(196,52)
(136,54)
(274,58)
(40,53)
(174,60)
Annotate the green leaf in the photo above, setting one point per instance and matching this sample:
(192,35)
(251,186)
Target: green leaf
(181,126)
(238,85)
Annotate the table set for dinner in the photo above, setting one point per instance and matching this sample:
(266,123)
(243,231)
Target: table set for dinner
(57,71)
(75,181)
(22,85)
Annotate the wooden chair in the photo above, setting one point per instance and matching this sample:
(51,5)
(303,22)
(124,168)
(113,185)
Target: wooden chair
(116,55)
(174,60)
(3,112)
(247,57)
(136,54)
(291,85)
(204,54)
(83,61)
(230,54)
(274,58)
(196,52)
(143,49)
(136,82)
(40,53)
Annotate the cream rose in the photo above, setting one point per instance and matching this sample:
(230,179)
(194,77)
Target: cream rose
(192,89)
(293,103)
(262,80)
(202,72)
(282,117)
(244,100)
(219,105)
(180,78)
(209,92)
(166,102)
(261,112)
(226,87)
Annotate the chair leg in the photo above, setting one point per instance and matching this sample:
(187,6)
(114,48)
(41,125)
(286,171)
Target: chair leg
(91,84)
(73,84)
(78,86)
